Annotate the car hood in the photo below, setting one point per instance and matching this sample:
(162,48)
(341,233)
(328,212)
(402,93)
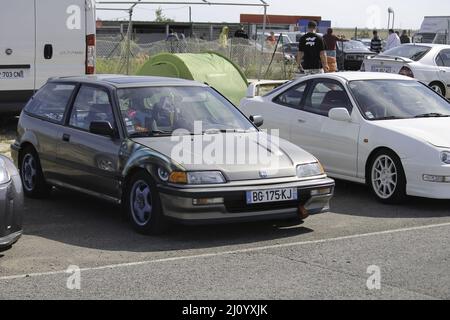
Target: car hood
(432,130)
(239,161)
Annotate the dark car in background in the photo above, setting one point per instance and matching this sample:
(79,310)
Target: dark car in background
(351,54)
(11,204)
(134,141)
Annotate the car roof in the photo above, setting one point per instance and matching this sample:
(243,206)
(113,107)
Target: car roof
(123,81)
(431,45)
(357,75)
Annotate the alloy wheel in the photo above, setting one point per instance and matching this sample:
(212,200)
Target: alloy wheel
(384,177)
(141,203)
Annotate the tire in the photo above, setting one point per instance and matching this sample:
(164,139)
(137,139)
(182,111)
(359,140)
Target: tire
(33,181)
(386,177)
(438,87)
(142,205)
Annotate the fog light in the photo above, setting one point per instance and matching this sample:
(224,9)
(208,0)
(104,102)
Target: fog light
(207,201)
(433,178)
(321,192)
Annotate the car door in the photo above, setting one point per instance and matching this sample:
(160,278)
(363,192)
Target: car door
(443,62)
(90,162)
(278,110)
(334,143)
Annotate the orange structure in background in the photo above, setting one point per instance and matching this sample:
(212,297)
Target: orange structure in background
(276,19)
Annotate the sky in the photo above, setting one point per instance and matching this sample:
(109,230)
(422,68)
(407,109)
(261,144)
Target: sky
(343,13)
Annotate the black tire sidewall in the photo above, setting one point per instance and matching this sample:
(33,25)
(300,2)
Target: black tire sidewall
(41,188)
(400,190)
(157,223)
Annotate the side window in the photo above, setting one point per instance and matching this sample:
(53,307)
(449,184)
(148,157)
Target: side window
(292,97)
(92,104)
(51,101)
(443,59)
(326,95)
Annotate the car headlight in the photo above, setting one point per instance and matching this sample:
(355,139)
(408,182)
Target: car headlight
(4,175)
(196,178)
(445,157)
(310,170)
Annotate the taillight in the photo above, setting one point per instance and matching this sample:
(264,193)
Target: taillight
(405,71)
(90,54)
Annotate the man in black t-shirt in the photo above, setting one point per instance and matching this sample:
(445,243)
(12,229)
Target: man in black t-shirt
(312,52)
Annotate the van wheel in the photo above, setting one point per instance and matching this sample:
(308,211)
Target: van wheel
(387,177)
(438,87)
(143,205)
(33,180)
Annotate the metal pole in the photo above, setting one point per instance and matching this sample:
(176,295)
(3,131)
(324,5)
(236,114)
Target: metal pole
(130,28)
(262,42)
(190,14)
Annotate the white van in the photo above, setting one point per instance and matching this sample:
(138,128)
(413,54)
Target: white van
(40,39)
(434,30)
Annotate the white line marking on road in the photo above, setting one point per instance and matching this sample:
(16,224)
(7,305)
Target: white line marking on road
(218,254)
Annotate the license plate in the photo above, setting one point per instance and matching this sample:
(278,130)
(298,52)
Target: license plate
(382,69)
(12,74)
(274,195)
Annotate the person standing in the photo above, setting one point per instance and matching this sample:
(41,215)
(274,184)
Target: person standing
(223,38)
(405,38)
(393,40)
(376,45)
(271,39)
(331,49)
(312,58)
(172,41)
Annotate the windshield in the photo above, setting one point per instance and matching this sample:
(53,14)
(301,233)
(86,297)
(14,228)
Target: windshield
(412,52)
(354,45)
(398,99)
(154,111)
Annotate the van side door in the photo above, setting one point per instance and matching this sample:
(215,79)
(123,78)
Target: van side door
(60,39)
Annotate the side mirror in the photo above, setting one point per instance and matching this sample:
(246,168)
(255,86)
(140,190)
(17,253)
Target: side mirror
(257,120)
(251,91)
(340,114)
(102,128)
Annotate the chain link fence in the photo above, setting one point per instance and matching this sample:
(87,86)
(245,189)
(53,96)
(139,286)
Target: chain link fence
(120,56)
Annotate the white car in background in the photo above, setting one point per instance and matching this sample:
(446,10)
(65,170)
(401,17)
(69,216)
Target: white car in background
(429,63)
(388,131)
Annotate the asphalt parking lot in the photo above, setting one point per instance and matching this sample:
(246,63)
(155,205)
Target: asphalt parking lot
(325,258)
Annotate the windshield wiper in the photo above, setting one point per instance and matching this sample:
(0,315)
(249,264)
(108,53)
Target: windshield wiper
(388,118)
(432,115)
(150,134)
(214,131)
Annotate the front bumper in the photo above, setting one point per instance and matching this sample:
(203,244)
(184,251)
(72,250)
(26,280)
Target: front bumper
(416,186)
(178,204)
(11,212)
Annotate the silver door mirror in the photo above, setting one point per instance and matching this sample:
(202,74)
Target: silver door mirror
(340,114)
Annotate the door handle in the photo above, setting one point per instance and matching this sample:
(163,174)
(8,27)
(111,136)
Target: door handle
(301,121)
(66,137)
(48,51)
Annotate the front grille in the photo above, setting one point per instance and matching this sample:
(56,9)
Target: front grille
(238,203)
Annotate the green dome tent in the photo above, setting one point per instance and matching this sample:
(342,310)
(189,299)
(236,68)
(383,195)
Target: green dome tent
(211,68)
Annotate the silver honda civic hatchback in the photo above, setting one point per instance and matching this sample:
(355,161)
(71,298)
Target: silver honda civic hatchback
(11,204)
(167,150)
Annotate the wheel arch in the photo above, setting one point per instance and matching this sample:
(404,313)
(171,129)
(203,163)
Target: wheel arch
(372,157)
(440,83)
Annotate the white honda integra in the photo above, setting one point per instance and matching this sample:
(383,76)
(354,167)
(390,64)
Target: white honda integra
(389,131)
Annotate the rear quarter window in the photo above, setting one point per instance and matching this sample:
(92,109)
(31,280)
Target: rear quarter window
(50,102)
